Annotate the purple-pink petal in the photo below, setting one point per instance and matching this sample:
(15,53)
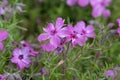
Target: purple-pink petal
(83,3)
(59,23)
(43,37)
(118,21)
(2,11)
(97,11)
(106,13)
(3,35)
(49,28)
(48,47)
(71,2)
(55,41)
(118,30)
(109,73)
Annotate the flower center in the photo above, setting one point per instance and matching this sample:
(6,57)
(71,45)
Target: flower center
(102,4)
(83,31)
(53,32)
(20,57)
(73,36)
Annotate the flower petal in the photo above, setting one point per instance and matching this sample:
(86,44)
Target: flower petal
(59,23)
(79,26)
(43,37)
(55,41)
(89,28)
(71,2)
(48,47)
(49,28)
(83,3)
(3,35)
(97,11)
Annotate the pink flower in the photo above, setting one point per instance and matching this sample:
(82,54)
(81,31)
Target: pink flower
(72,35)
(106,13)
(53,33)
(3,36)
(71,2)
(20,58)
(99,8)
(2,11)
(88,31)
(109,73)
(31,51)
(118,30)
(5,2)
(118,21)
(82,3)
(2,77)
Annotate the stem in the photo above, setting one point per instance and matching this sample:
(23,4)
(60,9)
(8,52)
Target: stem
(64,56)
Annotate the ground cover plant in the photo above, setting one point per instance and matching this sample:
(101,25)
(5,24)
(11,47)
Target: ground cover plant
(59,40)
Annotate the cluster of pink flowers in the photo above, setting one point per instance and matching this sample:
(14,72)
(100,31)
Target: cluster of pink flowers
(98,6)
(59,34)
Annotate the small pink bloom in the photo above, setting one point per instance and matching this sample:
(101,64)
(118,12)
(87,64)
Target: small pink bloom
(71,2)
(88,31)
(53,32)
(99,8)
(2,11)
(5,2)
(83,3)
(109,73)
(97,11)
(3,36)
(118,30)
(118,21)
(106,13)
(72,35)
(2,77)
(20,58)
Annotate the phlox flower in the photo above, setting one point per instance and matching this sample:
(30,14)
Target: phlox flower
(82,3)
(3,36)
(53,33)
(72,35)
(31,51)
(86,31)
(118,21)
(99,8)
(5,2)
(118,29)
(2,77)
(21,58)
(109,73)
(2,11)
(71,2)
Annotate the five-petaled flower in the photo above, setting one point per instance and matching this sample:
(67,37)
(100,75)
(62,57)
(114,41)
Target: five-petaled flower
(53,32)
(21,58)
